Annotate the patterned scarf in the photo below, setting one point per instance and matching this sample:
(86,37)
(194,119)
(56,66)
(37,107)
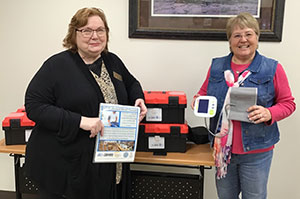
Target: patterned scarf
(109,93)
(223,139)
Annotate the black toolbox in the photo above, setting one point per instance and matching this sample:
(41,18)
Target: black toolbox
(17,127)
(162,138)
(165,107)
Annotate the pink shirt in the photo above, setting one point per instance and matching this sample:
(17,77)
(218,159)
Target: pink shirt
(283,107)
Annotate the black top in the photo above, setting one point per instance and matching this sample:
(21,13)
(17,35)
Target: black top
(96,66)
(59,154)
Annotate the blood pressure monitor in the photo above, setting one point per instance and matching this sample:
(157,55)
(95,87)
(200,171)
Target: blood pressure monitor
(205,106)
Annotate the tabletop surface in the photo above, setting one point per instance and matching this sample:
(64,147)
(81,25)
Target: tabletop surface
(15,149)
(195,155)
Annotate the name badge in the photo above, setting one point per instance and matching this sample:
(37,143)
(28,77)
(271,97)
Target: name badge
(117,76)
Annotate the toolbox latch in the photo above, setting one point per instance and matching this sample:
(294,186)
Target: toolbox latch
(175,131)
(15,123)
(173,100)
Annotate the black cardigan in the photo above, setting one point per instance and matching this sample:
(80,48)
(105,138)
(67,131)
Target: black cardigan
(59,154)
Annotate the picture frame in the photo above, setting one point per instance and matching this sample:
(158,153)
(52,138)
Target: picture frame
(144,23)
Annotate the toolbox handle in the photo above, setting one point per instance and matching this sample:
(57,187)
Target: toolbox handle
(164,92)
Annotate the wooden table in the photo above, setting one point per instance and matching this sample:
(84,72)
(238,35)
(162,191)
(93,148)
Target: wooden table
(195,155)
(199,156)
(12,149)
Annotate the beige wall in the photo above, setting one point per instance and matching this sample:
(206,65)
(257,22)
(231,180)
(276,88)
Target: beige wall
(32,30)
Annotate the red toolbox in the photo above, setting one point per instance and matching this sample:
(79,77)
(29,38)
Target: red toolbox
(17,127)
(165,106)
(162,138)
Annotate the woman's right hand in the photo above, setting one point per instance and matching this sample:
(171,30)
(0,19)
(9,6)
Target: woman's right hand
(92,124)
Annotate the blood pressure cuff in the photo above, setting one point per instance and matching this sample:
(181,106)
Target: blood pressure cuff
(198,135)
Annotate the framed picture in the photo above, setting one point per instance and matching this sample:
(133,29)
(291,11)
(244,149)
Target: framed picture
(201,19)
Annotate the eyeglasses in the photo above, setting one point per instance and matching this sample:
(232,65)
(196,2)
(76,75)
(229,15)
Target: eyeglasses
(247,35)
(89,32)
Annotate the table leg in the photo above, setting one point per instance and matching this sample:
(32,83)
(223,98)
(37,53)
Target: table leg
(17,175)
(201,178)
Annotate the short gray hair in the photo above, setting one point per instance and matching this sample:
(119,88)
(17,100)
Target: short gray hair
(243,20)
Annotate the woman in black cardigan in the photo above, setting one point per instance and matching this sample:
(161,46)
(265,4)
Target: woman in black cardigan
(63,99)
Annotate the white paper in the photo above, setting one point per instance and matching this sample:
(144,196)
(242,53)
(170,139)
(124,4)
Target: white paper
(119,142)
(154,115)
(156,142)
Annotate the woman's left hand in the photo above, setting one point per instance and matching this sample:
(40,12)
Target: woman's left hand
(140,103)
(193,101)
(259,114)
